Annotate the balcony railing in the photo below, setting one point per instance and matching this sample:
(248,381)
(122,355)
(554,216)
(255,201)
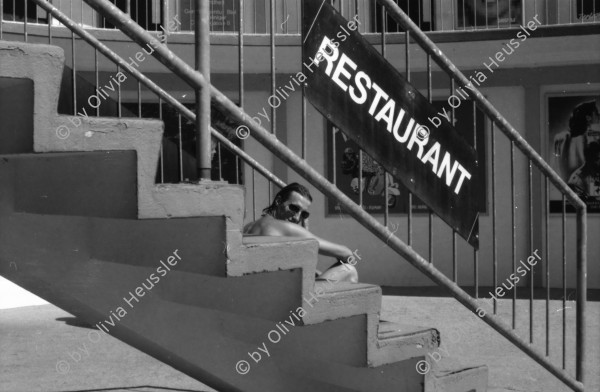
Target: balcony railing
(429,15)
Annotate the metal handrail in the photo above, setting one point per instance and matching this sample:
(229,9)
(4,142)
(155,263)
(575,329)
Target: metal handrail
(105,50)
(202,55)
(227,107)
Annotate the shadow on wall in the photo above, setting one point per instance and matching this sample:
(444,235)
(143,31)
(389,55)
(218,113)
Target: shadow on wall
(16,116)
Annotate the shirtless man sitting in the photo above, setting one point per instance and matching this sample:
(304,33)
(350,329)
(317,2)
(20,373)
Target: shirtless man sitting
(287,217)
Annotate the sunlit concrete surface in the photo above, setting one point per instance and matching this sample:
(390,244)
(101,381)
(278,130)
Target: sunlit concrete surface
(43,348)
(13,296)
(467,340)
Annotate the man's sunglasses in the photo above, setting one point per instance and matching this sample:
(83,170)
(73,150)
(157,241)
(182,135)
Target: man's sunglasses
(295,209)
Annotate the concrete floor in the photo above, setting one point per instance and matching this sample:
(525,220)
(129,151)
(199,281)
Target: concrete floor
(469,341)
(42,348)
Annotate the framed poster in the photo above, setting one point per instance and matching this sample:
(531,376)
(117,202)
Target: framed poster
(343,155)
(567,12)
(573,146)
(483,14)
(587,11)
(223,15)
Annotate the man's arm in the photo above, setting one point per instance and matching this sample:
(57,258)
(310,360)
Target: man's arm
(326,248)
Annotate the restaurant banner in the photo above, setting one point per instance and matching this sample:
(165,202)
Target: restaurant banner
(356,89)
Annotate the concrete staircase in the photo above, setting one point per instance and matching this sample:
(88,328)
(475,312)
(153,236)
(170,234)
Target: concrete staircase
(166,269)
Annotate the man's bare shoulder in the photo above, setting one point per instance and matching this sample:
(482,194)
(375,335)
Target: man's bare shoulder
(270,226)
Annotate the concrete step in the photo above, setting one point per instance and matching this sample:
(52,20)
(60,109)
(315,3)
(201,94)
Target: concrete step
(334,300)
(258,254)
(397,342)
(43,64)
(386,342)
(472,379)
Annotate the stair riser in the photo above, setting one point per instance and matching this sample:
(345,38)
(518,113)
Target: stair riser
(467,380)
(400,348)
(95,184)
(16,132)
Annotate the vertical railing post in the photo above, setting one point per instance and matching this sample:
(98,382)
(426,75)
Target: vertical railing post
(165,15)
(581,293)
(25,32)
(202,46)
(1,16)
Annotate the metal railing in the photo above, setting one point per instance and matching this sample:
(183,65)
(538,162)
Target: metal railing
(159,92)
(228,108)
(537,172)
(547,174)
(428,15)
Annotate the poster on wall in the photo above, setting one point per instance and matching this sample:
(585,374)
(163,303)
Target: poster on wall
(587,11)
(223,15)
(343,155)
(574,147)
(482,14)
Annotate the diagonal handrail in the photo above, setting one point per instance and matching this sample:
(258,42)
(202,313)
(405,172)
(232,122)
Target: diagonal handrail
(446,65)
(226,106)
(115,58)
